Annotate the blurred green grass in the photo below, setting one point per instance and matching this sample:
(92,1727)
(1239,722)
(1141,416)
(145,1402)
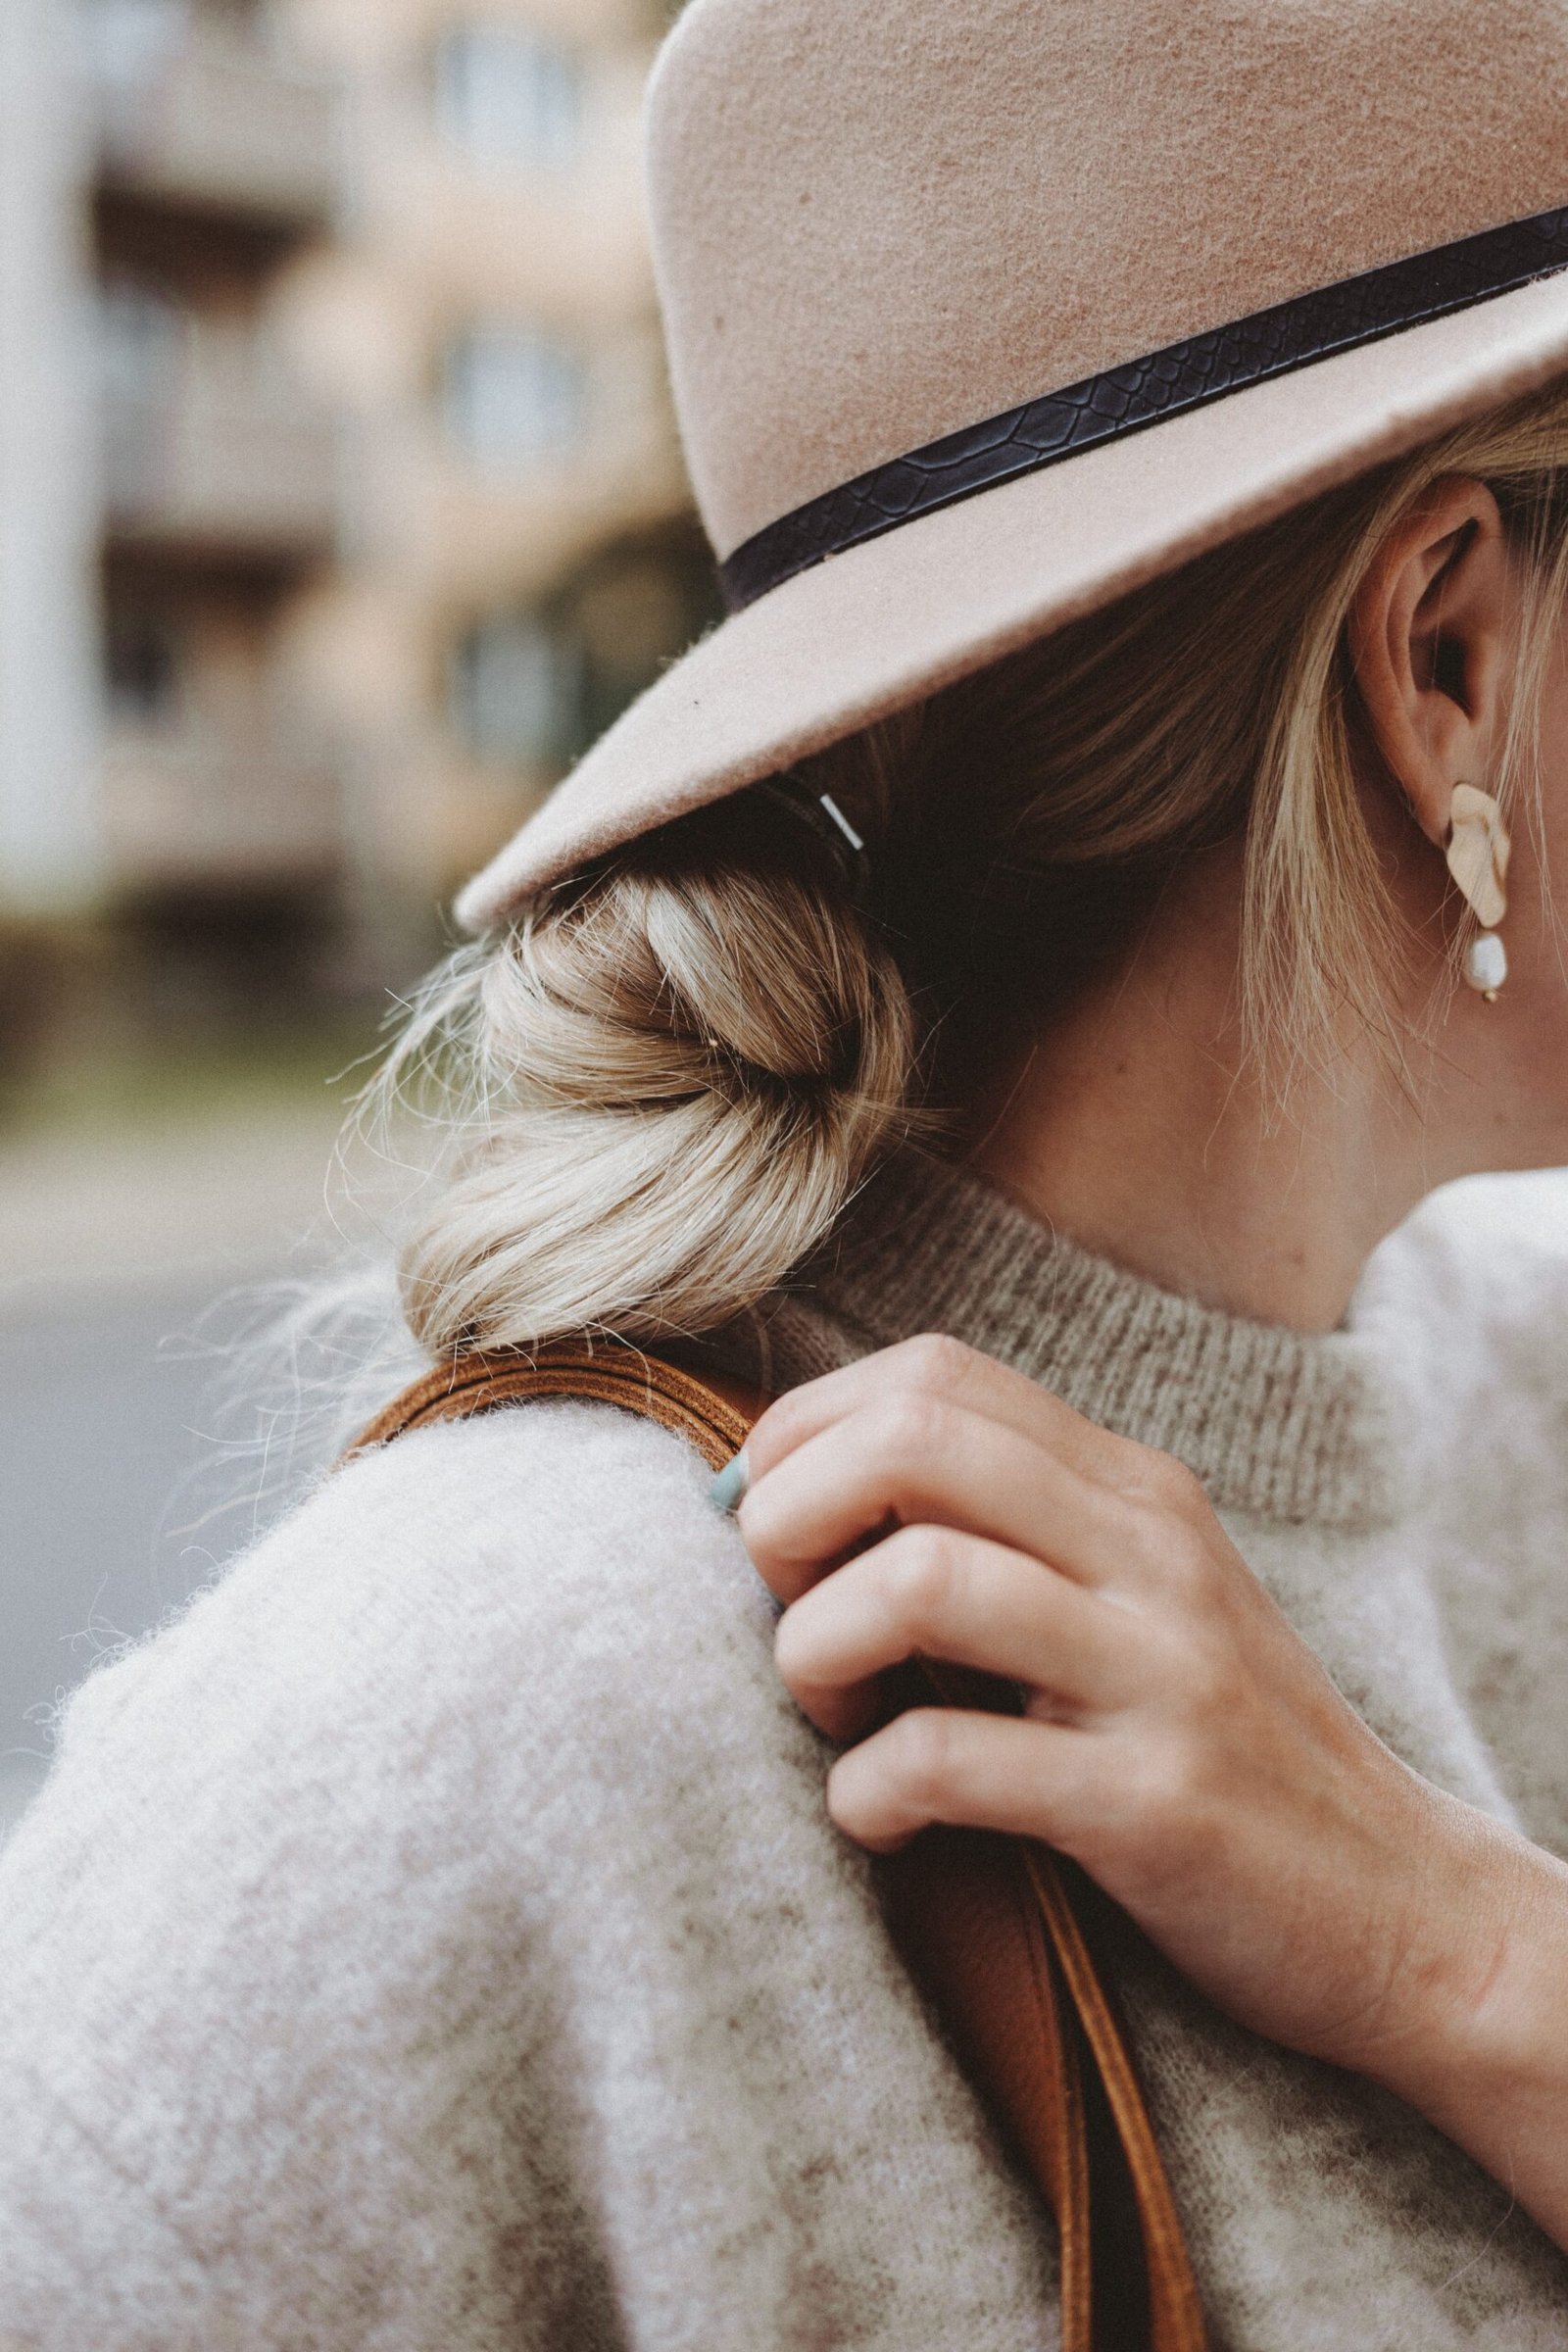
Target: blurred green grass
(115,1024)
(145,1082)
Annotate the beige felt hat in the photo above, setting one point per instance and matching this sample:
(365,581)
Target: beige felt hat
(982,312)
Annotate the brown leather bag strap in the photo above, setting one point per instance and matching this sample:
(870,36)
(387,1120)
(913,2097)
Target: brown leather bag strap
(713,1416)
(987,1925)
(971,1934)
(1175,2317)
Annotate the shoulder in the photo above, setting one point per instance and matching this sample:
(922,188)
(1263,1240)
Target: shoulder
(1471,1296)
(322,1867)
(529,1567)
(450,1663)
(441,1713)
(549,1514)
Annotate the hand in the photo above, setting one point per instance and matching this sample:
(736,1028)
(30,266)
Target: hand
(1178,1739)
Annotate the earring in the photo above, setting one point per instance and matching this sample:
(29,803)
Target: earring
(1478,848)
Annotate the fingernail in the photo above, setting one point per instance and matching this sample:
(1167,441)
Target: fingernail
(728,1490)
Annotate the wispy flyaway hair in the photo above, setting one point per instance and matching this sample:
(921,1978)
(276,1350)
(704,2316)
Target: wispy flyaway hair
(653,1095)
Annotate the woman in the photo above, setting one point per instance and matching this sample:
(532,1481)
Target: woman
(438,1937)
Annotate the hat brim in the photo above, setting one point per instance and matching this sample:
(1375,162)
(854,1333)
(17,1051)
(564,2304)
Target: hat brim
(874,629)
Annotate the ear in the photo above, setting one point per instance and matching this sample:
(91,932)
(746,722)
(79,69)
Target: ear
(1427,636)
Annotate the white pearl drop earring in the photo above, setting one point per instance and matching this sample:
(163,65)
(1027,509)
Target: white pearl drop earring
(1479,850)
(1486,964)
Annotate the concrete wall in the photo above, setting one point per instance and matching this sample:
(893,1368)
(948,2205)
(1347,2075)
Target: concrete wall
(49,849)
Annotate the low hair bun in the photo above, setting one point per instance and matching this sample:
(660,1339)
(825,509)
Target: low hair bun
(684,1067)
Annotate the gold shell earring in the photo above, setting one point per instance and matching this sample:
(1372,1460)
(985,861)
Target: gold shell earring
(1479,849)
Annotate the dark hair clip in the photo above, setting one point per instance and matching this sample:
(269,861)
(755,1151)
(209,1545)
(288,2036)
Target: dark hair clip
(827,821)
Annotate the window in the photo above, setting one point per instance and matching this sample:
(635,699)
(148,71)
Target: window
(533,688)
(140,337)
(515,692)
(509,99)
(141,668)
(514,398)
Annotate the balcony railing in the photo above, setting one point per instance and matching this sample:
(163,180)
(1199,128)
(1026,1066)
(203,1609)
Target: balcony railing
(181,811)
(215,124)
(213,459)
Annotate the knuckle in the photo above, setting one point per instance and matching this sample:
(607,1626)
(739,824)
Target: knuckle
(921,1571)
(1189,1562)
(785,1424)
(1175,1556)
(1173,1487)
(935,1363)
(1143,1534)
(1162,1810)
(908,1426)
(921,1757)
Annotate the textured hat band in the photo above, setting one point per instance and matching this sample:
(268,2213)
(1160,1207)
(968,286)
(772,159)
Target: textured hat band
(1141,392)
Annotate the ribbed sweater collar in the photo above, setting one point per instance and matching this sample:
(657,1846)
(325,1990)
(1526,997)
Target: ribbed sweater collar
(1279,1424)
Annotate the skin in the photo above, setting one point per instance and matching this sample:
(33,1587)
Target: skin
(1179,1739)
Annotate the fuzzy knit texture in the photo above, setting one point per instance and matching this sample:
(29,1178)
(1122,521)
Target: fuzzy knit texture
(435,1941)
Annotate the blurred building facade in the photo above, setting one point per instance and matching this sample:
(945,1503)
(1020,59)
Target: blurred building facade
(340,504)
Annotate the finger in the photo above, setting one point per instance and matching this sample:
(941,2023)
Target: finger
(901,1460)
(948,1372)
(983,1772)
(927,1591)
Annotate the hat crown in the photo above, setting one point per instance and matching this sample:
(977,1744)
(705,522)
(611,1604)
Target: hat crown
(878,221)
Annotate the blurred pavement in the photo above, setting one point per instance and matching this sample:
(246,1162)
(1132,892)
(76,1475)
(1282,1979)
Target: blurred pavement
(124,1257)
(86,1213)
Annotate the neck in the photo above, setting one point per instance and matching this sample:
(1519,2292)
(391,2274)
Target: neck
(1129,1124)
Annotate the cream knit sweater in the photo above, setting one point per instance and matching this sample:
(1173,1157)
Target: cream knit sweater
(434,1942)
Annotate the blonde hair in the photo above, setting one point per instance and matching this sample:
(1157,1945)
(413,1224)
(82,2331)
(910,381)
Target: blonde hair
(655,1092)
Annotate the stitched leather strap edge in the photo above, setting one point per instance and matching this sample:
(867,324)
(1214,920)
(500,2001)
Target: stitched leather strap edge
(1175,2312)
(1138,393)
(1176,2321)
(715,1419)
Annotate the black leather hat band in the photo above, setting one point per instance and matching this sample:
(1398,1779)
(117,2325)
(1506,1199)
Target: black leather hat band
(1143,392)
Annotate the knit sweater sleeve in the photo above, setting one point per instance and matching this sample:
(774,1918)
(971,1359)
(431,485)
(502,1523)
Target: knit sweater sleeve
(284,2057)
(1473,1295)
